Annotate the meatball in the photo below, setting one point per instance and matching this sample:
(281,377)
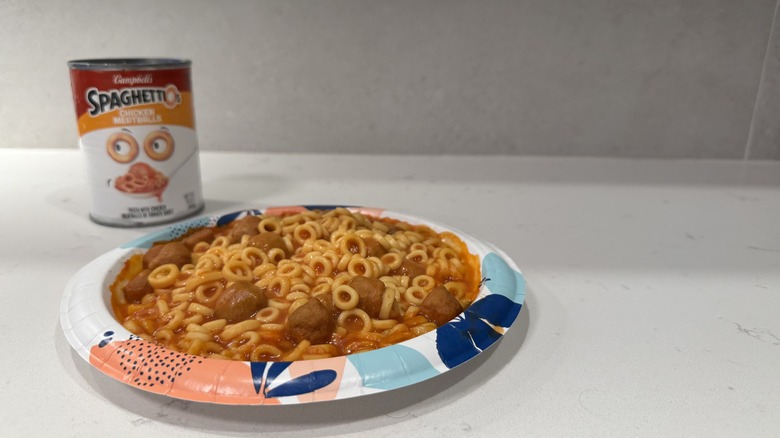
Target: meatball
(374,248)
(246,225)
(410,268)
(139,286)
(268,241)
(311,322)
(173,252)
(440,306)
(370,291)
(151,253)
(239,302)
(202,235)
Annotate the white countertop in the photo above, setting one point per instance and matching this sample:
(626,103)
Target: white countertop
(652,309)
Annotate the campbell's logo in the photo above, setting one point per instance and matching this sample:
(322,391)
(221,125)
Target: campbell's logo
(104,101)
(133,80)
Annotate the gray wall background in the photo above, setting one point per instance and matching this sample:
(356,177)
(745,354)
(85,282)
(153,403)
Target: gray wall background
(623,78)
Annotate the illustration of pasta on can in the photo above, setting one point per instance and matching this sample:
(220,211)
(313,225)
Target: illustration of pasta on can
(137,133)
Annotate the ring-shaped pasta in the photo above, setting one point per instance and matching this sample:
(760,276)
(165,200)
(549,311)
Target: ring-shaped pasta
(423,328)
(347,223)
(176,319)
(360,267)
(296,304)
(236,270)
(254,256)
(296,295)
(213,348)
(201,247)
(250,338)
(418,247)
(380,268)
(198,335)
(208,262)
(234,330)
(289,269)
(267,314)
(321,265)
(358,313)
(264,270)
(456,288)
(321,245)
(200,308)
(196,346)
(220,252)
(276,255)
(308,275)
(279,304)
(415,295)
(343,261)
(122,147)
(182,297)
(297,352)
(424,281)
(220,242)
(215,325)
(447,253)
(345,297)
(264,351)
(321,288)
(455,264)
(383,324)
(163,334)
(293,219)
(163,276)
(340,279)
(270,225)
(353,244)
(299,288)
(159,145)
(332,256)
(418,255)
(162,307)
(209,293)
(201,278)
(393,260)
(278,287)
(388,299)
(272,327)
(195,328)
(305,233)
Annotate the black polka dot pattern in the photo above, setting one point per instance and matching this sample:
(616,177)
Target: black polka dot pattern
(179,230)
(152,364)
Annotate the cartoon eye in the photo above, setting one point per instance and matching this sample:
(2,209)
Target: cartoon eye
(159,145)
(172,97)
(122,147)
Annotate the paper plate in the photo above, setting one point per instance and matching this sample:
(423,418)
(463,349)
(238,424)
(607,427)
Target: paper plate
(89,325)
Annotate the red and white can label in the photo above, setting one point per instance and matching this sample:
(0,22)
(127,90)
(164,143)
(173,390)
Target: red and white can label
(137,132)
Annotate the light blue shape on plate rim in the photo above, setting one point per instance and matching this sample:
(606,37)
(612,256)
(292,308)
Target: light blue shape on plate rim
(392,367)
(503,279)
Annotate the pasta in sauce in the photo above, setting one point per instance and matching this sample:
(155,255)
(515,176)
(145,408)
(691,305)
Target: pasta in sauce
(295,286)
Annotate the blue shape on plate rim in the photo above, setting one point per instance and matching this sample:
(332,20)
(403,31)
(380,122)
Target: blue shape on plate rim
(473,331)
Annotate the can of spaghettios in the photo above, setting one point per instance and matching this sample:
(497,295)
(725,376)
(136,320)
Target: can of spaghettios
(137,133)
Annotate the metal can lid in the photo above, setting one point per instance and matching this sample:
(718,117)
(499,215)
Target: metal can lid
(127,63)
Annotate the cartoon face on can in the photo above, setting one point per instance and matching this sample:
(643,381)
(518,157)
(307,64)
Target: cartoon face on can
(137,133)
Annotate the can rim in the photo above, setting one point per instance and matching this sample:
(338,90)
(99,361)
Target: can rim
(127,63)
